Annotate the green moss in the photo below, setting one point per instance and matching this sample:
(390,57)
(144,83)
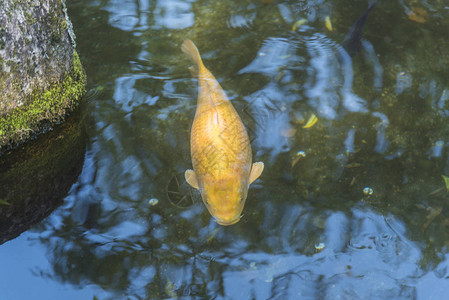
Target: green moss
(30,17)
(44,108)
(57,25)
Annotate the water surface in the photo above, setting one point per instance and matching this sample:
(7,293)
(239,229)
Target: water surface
(354,207)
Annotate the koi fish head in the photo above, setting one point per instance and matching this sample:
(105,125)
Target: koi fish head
(225,196)
(225,199)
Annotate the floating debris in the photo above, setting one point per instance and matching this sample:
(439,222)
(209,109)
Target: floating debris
(298,24)
(279,76)
(418,15)
(284,56)
(319,246)
(311,121)
(212,235)
(328,23)
(300,154)
(433,213)
(368,191)
(153,201)
(352,181)
(438,192)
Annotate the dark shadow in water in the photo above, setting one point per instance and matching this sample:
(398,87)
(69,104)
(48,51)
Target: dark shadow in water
(35,178)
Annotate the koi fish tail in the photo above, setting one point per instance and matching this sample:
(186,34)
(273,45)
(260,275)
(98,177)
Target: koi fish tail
(189,48)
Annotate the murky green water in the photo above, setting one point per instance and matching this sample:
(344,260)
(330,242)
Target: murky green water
(363,215)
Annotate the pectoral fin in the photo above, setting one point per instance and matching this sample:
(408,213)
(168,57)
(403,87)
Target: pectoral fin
(256,170)
(191,178)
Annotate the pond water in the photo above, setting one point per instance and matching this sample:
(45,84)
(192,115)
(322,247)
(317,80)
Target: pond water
(353,207)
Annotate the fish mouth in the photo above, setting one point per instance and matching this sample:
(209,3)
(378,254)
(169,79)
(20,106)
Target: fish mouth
(227,223)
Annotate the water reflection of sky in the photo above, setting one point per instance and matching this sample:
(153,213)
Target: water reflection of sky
(133,15)
(338,264)
(31,268)
(328,89)
(308,233)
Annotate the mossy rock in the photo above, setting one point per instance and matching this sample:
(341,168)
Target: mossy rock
(44,109)
(35,178)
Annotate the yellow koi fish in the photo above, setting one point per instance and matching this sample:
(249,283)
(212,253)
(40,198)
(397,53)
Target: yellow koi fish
(219,146)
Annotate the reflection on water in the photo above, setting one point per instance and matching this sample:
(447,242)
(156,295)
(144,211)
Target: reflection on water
(35,179)
(353,207)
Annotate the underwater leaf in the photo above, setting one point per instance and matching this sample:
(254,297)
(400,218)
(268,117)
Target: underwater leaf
(433,213)
(298,24)
(170,289)
(328,23)
(212,235)
(446,182)
(311,121)
(418,15)
(298,156)
(4,202)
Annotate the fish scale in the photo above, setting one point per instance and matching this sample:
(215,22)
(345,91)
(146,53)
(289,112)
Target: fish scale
(219,146)
(219,139)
